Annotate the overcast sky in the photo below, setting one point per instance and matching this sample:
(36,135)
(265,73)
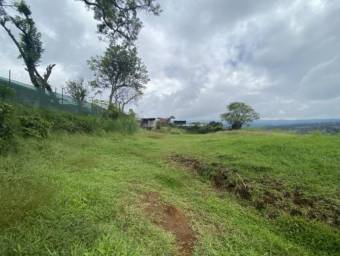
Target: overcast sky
(282,57)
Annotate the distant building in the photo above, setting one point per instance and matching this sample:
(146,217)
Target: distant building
(164,121)
(148,123)
(180,123)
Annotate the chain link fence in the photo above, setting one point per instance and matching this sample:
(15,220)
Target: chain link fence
(29,95)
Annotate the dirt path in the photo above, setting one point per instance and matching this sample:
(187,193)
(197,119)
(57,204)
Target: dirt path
(172,220)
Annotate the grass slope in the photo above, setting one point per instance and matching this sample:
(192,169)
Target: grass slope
(84,194)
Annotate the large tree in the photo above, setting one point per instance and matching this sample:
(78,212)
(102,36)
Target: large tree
(118,19)
(27,39)
(120,71)
(239,114)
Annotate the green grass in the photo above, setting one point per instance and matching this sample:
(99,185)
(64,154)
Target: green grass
(83,194)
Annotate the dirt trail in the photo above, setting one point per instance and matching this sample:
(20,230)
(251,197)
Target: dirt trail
(172,220)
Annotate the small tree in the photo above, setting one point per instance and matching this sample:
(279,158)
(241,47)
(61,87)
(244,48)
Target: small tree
(28,41)
(78,91)
(122,72)
(239,114)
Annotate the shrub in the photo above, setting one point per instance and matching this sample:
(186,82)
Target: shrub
(32,122)
(123,124)
(86,124)
(35,126)
(6,92)
(112,113)
(6,130)
(205,128)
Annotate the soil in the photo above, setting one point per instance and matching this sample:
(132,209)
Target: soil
(267,194)
(172,220)
(222,178)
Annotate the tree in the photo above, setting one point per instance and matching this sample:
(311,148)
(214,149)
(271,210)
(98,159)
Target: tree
(78,91)
(239,115)
(119,18)
(126,95)
(28,41)
(122,72)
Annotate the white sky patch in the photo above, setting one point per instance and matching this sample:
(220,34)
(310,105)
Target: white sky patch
(46,31)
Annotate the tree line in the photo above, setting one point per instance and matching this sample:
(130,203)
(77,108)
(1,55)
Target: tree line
(119,70)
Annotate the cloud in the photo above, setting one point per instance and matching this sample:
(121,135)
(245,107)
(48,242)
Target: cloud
(280,56)
(322,82)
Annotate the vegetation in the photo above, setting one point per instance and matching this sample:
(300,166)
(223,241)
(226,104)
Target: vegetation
(202,128)
(122,72)
(239,114)
(119,19)
(28,42)
(6,92)
(78,185)
(18,121)
(97,194)
(78,91)
(6,130)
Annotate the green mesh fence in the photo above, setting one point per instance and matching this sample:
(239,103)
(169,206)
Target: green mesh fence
(29,95)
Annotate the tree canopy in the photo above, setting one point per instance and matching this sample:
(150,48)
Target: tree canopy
(118,19)
(121,71)
(77,90)
(239,114)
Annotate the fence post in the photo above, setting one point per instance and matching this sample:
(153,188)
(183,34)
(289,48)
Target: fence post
(62,96)
(9,77)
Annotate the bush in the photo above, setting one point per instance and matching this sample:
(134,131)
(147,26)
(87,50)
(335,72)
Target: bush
(19,120)
(6,92)
(124,124)
(205,128)
(67,122)
(35,126)
(6,130)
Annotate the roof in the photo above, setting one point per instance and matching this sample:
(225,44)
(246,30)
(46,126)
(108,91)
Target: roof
(148,119)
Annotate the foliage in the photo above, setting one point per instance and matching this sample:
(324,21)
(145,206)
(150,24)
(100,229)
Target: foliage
(78,91)
(6,129)
(6,92)
(202,128)
(239,114)
(28,42)
(35,126)
(119,19)
(122,72)
(30,122)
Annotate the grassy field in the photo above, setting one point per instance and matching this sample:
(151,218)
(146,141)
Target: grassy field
(111,194)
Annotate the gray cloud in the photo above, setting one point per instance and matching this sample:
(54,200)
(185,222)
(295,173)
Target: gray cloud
(283,57)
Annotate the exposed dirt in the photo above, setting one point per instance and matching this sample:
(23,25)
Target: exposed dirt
(222,177)
(172,220)
(267,195)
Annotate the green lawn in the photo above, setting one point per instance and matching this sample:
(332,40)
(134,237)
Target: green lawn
(85,195)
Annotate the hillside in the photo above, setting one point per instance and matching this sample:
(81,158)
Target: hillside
(230,193)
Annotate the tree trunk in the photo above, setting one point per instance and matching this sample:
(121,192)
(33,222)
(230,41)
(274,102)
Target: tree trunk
(110,99)
(236,126)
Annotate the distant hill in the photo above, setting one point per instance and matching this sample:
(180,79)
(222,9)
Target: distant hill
(301,126)
(266,123)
